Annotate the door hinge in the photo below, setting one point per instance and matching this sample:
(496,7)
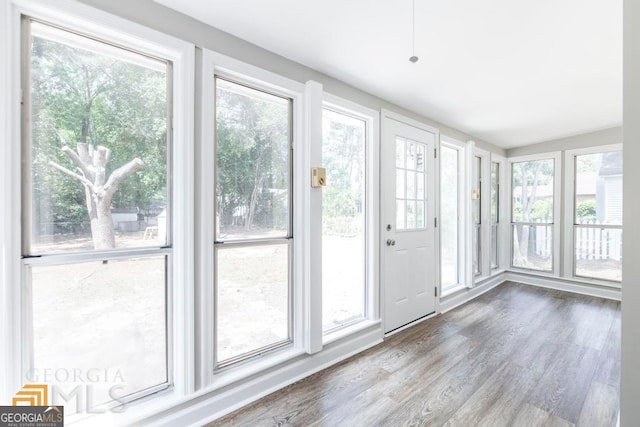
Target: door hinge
(435,222)
(435,153)
(435,291)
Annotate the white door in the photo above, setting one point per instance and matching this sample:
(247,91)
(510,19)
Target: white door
(408,256)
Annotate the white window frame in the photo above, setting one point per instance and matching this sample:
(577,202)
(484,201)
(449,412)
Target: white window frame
(556,156)
(92,22)
(503,214)
(372,214)
(218,65)
(485,215)
(569,214)
(463,272)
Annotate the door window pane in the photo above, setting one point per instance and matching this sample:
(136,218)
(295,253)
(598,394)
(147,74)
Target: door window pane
(106,316)
(98,145)
(253,299)
(253,132)
(343,219)
(410,185)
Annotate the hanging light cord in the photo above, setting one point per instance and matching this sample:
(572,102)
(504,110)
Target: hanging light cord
(413,57)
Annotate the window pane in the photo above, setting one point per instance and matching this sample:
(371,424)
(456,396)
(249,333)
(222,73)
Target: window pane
(400,215)
(252,307)
(494,246)
(533,246)
(400,187)
(343,219)
(476,206)
(109,317)
(495,182)
(98,145)
(410,185)
(598,190)
(411,215)
(449,214)
(477,184)
(400,152)
(477,256)
(495,206)
(599,253)
(252,158)
(532,184)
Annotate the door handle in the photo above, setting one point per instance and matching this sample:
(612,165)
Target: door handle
(391,242)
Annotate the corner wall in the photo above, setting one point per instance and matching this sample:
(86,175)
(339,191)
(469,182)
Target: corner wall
(630,377)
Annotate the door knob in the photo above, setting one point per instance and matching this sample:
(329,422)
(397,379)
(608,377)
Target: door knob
(391,242)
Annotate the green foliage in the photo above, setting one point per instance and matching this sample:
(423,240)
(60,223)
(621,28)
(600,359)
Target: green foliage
(343,157)
(586,210)
(252,157)
(542,210)
(81,96)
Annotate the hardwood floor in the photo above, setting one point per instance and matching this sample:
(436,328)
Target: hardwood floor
(516,356)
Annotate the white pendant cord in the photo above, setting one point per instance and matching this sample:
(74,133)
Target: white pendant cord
(413,57)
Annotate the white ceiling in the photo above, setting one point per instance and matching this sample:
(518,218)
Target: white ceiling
(509,72)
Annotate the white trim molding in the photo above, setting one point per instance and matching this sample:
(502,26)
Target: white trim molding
(465,295)
(566,285)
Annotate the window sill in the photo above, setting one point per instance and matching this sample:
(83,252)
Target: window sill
(450,291)
(572,279)
(349,330)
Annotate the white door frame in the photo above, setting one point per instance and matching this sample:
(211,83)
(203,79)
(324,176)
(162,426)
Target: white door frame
(430,218)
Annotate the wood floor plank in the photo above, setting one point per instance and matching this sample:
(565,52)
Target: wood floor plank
(599,408)
(531,416)
(498,400)
(516,356)
(563,388)
(608,370)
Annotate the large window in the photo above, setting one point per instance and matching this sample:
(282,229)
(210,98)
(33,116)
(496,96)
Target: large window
(97,212)
(476,213)
(343,219)
(253,236)
(495,214)
(452,242)
(532,213)
(597,215)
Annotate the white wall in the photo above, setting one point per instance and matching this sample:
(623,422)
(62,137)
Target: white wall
(585,140)
(630,387)
(156,16)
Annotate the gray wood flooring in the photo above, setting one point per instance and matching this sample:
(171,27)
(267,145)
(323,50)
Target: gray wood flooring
(516,356)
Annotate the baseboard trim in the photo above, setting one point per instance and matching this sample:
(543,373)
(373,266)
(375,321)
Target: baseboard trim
(565,285)
(457,299)
(208,407)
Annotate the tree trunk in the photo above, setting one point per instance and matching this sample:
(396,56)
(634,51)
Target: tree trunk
(91,164)
(102,228)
